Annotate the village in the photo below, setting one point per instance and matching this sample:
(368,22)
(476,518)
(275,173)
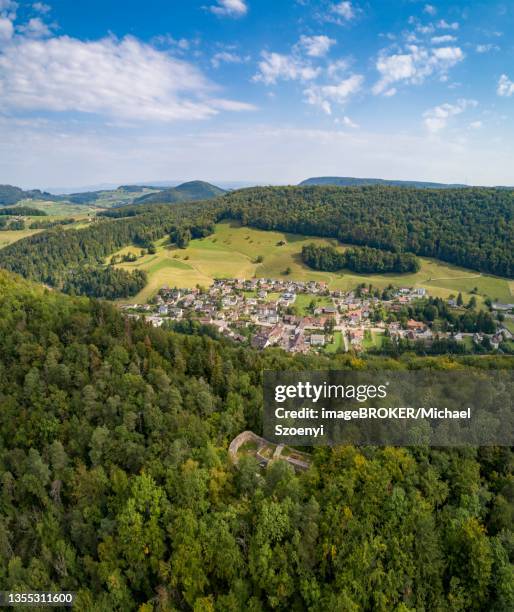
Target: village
(304,316)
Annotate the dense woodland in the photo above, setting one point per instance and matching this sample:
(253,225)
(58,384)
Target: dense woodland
(46,224)
(116,481)
(109,283)
(364,260)
(468,227)
(22,211)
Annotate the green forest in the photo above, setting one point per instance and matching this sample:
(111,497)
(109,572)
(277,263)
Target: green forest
(117,484)
(364,260)
(472,227)
(468,227)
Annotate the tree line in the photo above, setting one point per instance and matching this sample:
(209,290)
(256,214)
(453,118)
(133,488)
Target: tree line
(364,260)
(22,211)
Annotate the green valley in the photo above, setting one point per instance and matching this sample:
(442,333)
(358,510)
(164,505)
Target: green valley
(232,251)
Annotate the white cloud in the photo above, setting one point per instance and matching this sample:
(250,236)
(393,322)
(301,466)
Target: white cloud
(6,29)
(486,48)
(316,46)
(430,9)
(444,25)
(344,10)
(335,68)
(414,66)
(347,122)
(452,55)
(439,40)
(324,95)
(226,57)
(436,119)
(70,155)
(229,8)
(125,79)
(35,28)
(475,125)
(505,86)
(8,6)
(276,66)
(41,7)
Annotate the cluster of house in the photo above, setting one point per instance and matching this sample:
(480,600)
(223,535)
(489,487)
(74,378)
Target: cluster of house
(262,311)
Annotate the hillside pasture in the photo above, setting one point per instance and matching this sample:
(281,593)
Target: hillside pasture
(234,251)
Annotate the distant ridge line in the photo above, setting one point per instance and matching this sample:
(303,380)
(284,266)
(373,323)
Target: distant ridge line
(350,181)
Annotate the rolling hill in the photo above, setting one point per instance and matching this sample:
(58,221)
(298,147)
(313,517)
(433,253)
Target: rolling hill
(9,195)
(186,192)
(350,181)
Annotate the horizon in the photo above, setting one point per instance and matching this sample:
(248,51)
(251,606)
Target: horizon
(223,184)
(227,184)
(216,89)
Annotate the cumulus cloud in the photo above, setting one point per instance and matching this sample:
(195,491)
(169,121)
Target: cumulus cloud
(505,86)
(324,96)
(226,57)
(436,118)
(414,66)
(316,46)
(344,10)
(486,48)
(276,66)
(229,8)
(41,7)
(445,38)
(429,9)
(35,27)
(6,29)
(347,122)
(444,25)
(8,7)
(124,79)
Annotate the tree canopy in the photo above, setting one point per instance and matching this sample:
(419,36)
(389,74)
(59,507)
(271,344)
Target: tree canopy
(116,481)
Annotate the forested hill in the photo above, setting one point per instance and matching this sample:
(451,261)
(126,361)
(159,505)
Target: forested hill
(468,227)
(10,195)
(350,181)
(193,190)
(473,228)
(58,257)
(116,481)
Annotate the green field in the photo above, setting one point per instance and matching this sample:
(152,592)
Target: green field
(336,344)
(60,209)
(8,237)
(373,339)
(232,250)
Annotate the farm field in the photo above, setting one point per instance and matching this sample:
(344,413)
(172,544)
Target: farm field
(9,236)
(60,209)
(232,251)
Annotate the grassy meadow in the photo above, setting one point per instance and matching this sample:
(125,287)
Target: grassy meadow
(233,251)
(9,236)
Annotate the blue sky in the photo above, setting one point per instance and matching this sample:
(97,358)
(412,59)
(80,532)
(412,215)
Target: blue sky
(255,90)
